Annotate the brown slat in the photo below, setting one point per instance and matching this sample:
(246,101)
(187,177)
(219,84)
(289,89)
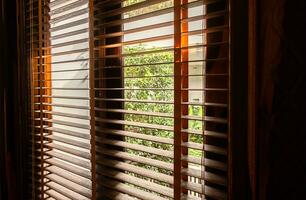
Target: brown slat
(137,112)
(68,7)
(73,142)
(65,97)
(69,15)
(135,158)
(136,135)
(65,123)
(138,182)
(167,115)
(56,195)
(70,185)
(129,8)
(114,195)
(76,116)
(78,153)
(72,33)
(209,191)
(163,37)
(135,169)
(64,106)
(138,124)
(207,133)
(64,191)
(211,177)
(137,147)
(153,26)
(208,162)
(69,159)
(71,168)
(133,191)
(68,132)
(83,182)
(69,25)
(207,147)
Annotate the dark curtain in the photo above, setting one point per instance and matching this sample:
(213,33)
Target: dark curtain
(282,99)
(13,102)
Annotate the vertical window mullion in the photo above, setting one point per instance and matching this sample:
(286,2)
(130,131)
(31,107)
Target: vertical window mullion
(177,100)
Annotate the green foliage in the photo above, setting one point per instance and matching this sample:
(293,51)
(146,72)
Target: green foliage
(144,67)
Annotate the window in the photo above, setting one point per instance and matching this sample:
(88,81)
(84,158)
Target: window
(130,98)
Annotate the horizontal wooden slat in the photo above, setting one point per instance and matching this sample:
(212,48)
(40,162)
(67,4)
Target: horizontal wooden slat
(134,100)
(71,33)
(63,105)
(138,182)
(124,188)
(151,89)
(128,8)
(136,112)
(57,2)
(69,167)
(62,88)
(66,123)
(69,16)
(83,182)
(209,191)
(68,132)
(201,174)
(70,43)
(166,115)
(78,153)
(162,102)
(76,116)
(163,37)
(69,25)
(114,195)
(138,124)
(208,133)
(83,163)
(153,26)
(190,197)
(70,185)
(64,191)
(207,147)
(135,135)
(135,158)
(63,97)
(63,70)
(135,169)
(138,147)
(52,193)
(68,7)
(208,162)
(69,141)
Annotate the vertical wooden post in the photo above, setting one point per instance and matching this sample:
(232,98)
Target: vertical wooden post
(92,99)
(184,83)
(177,100)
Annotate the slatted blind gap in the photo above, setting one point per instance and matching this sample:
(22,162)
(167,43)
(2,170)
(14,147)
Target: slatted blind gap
(59,53)
(161,94)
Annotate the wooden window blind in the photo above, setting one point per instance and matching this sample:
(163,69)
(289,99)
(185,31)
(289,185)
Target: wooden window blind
(130,98)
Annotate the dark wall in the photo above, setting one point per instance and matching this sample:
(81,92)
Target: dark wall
(282,106)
